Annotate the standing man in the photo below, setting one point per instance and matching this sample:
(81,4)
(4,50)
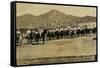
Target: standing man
(43,35)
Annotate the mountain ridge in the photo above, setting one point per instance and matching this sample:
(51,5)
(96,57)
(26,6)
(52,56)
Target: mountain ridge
(53,18)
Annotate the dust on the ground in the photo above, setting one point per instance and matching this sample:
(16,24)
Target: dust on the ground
(77,46)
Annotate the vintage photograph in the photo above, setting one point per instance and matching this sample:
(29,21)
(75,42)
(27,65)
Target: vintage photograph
(50,33)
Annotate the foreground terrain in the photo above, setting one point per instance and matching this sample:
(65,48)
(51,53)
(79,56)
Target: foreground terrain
(67,48)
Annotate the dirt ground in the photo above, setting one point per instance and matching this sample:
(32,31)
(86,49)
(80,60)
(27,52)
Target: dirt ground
(78,46)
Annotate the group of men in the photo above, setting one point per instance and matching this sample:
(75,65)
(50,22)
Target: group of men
(33,36)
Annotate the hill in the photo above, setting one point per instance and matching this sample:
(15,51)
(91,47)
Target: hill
(53,18)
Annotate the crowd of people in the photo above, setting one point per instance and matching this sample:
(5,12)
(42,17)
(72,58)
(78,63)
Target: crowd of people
(35,35)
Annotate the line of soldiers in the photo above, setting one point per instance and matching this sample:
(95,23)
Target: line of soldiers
(69,32)
(36,35)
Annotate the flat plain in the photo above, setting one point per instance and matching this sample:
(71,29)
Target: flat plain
(77,46)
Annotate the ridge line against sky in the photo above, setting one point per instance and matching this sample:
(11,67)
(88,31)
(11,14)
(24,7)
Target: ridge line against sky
(38,9)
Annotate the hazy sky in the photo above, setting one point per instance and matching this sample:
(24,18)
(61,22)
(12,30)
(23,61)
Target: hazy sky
(37,9)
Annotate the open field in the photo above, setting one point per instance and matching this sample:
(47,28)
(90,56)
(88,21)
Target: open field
(78,46)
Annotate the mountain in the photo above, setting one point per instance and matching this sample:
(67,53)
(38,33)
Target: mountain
(51,19)
(88,19)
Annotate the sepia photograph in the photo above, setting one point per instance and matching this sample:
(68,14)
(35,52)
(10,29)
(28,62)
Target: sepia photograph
(54,33)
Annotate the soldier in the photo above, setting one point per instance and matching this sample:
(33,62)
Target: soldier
(82,31)
(85,30)
(57,33)
(53,34)
(78,31)
(61,32)
(37,36)
(28,35)
(72,32)
(43,35)
(32,36)
(75,30)
(94,29)
(19,38)
(49,34)
(67,32)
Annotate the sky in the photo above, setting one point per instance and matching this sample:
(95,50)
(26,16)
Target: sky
(37,9)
